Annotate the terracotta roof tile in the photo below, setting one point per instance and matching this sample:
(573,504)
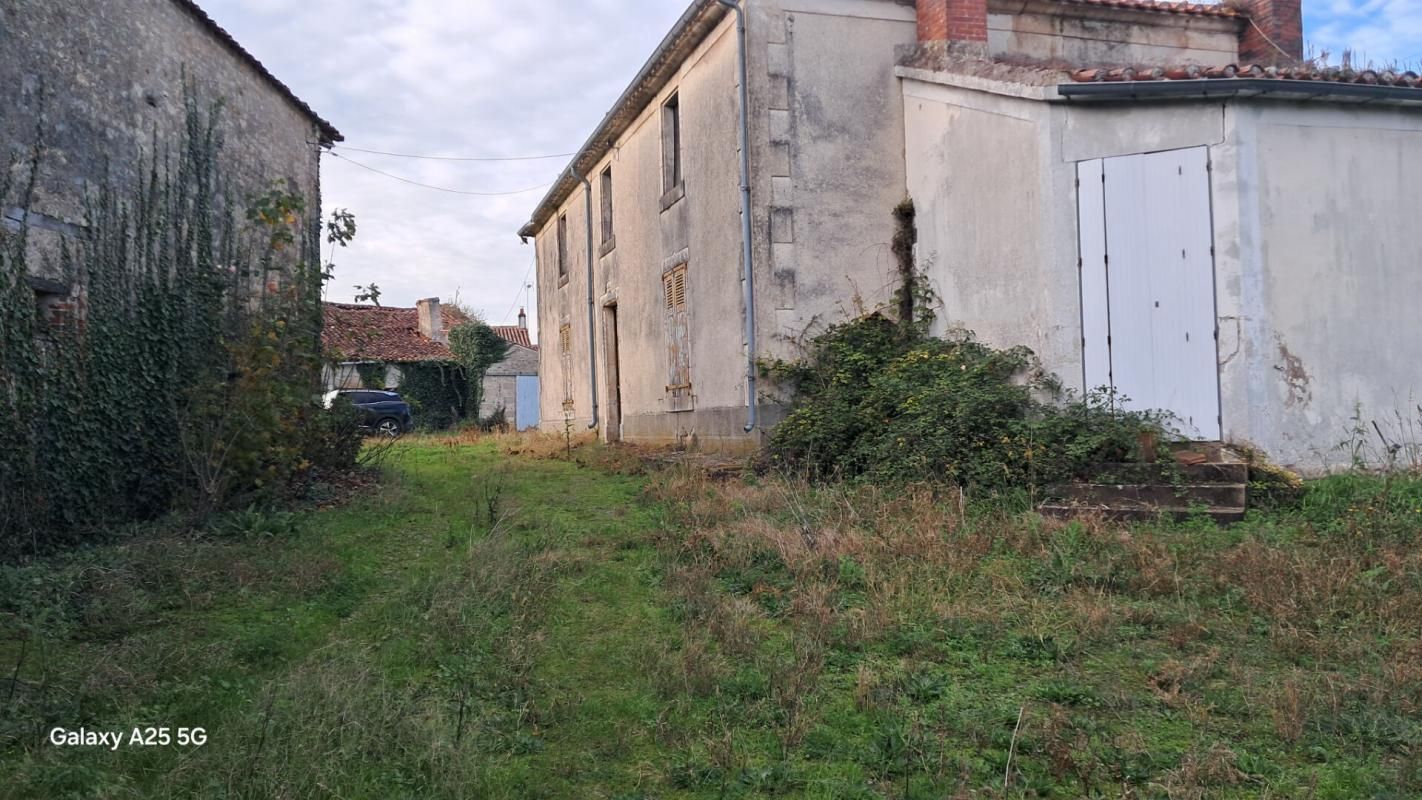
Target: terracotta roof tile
(1306,72)
(1192,9)
(513,334)
(374,333)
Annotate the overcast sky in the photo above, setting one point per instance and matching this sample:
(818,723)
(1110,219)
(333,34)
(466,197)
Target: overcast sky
(493,78)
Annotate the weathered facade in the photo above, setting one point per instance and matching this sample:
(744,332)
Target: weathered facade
(666,352)
(1162,215)
(100,82)
(1162,199)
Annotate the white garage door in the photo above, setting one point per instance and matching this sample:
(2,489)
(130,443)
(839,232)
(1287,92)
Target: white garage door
(1147,284)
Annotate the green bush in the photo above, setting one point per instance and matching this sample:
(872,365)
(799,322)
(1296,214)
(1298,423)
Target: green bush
(179,382)
(331,438)
(878,399)
(438,394)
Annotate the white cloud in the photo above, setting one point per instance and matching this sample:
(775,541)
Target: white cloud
(476,77)
(1383,32)
(491,77)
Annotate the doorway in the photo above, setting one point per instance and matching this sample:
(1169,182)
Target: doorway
(614,375)
(1148,285)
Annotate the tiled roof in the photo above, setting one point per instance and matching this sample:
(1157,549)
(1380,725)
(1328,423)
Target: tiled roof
(1192,9)
(374,333)
(327,129)
(513,334)
(1367,77)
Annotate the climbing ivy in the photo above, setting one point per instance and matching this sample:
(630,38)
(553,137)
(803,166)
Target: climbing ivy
(437,391)
(183,379)
(372,374)
(477,348)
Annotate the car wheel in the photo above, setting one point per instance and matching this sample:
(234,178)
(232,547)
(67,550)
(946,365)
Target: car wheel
(389,428)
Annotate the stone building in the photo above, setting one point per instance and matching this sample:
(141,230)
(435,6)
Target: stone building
(102,81)
(1158,198)
(651,335)
(356,337)
(512,384)
(1165,199)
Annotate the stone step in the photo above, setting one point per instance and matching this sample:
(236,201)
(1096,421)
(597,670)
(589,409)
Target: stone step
(1227,495)
(1222,515)
(1230,472)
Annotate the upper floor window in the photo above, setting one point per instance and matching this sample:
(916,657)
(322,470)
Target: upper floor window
(671,144)
(562,246)
(605,189)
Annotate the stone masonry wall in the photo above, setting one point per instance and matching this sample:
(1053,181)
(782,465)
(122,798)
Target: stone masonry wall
(102,80)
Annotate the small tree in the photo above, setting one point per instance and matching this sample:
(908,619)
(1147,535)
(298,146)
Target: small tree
(477,348)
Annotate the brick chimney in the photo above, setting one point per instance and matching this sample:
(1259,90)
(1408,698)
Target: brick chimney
(958,22)
(522,319)
(1274,33)
(431,320)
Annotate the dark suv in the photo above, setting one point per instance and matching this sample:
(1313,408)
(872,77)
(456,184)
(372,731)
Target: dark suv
(384,413)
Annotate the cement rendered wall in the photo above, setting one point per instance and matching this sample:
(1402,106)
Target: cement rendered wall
(826,153)
(1319,290)
(111,75)
(829,167)
(990,190)
(1315,263)
(701,228)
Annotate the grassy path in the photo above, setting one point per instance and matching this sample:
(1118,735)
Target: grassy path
(403,645)
(487,626)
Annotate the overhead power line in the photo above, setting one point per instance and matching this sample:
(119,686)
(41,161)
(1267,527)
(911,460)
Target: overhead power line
(521,286)
(455,158)
(349,160)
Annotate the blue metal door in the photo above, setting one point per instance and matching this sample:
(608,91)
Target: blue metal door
(526,402)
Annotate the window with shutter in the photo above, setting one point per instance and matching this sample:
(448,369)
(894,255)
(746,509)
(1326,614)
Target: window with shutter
(563,247)
(565,353)
(674,295)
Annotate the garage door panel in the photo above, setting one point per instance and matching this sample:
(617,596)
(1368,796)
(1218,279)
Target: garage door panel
(1095,321)
(1158,284)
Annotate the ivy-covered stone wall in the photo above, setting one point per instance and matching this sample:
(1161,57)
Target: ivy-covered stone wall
(105,81)
(183,375)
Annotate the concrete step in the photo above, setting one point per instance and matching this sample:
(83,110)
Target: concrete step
(1230,472)
(1228,495)
(1222,515)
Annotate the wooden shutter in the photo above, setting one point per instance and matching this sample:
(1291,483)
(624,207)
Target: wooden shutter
(565,352)
(678,315)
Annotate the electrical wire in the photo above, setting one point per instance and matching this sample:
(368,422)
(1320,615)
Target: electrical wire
(435,188)
(455,158)
(521,286)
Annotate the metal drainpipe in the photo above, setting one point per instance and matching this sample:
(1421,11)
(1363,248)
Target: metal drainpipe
(748,278)
(592,324)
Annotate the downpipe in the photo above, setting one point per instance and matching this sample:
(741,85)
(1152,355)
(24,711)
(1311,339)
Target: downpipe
(748,278)
(592,320)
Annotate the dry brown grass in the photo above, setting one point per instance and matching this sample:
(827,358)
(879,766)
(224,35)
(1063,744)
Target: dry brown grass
(1203,772)
(1186,623)
(535,444)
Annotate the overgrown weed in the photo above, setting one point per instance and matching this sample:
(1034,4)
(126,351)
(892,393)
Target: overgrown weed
(928,612)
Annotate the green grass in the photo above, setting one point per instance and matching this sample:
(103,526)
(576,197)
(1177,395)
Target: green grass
(492,626)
